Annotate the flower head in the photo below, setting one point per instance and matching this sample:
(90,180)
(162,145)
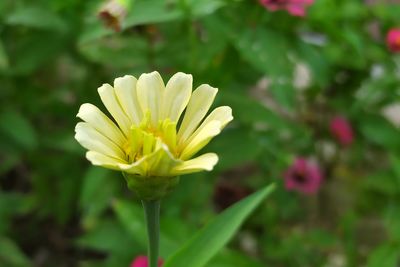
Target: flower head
(142,261)
(113,12)
(148,137)
(303,176)
(342,130)
(294,7)
(393,40)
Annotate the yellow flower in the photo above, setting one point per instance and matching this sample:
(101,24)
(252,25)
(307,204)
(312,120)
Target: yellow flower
(148,138)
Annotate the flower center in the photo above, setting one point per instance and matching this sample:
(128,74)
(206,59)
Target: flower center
(299,177)
(144,138)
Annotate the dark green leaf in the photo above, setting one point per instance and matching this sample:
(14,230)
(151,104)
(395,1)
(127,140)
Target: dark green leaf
(215,235)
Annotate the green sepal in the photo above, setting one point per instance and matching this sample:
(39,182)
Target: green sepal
(150,188)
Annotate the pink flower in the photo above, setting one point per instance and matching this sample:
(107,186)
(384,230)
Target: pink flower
(341,130)
(141,261)
(393,40)
(303,176)
(294,7)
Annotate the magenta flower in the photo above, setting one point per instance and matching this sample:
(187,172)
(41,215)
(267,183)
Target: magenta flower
(342,130)
(294,7)
(142,261)
(393,40)
(303,176)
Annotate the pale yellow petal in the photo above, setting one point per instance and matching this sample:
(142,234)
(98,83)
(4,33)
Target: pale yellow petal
(125,89)
(150,89)
(203,162)
(137,167)
(162,162)
(222,114)
(99,159)
(158,163)
(201,139)
(169,137)
(149,141)
(99,121)
(110,101)
(176,96)
(91,139)
(198,106)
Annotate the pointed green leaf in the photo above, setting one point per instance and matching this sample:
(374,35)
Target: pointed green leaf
(215,235)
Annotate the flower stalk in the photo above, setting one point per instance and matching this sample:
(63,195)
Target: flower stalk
(152,217)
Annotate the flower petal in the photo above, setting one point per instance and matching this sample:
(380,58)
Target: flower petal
(203,162)
(110,101)
(99,159)
(91,139)
(222,114)
(158,163)
(126,91)
(176,96)
(99,121)
(198,106)
(150,89)
(200,139)
(161,163)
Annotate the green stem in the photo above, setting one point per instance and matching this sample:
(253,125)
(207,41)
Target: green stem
(152,215)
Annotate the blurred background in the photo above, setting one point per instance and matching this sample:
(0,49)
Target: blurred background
(315,92)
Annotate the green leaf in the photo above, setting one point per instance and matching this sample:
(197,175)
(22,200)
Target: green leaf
(384,256)
(108,236)
(215,235)
(381,132)
(229,258)
(265,50)
(283,93)
(36,17)
(242,152)
(97,191)
(205,7)
(144,12)
(18,129)
(113,51)
(250,111)
(131,217)
(11,255)
(315,60)
(33,50)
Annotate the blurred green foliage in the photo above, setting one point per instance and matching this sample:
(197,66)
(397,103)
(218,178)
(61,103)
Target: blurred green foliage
(285,78)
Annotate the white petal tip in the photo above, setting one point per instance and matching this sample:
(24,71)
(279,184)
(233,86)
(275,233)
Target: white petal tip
(103,88)
(125,78)
(83,109)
